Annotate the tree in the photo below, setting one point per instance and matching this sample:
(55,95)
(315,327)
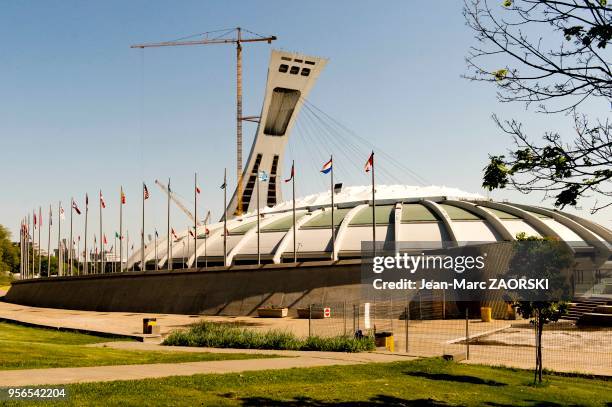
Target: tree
(536,257)
(558,72)
(9,252)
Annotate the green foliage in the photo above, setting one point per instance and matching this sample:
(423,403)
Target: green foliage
(536,257)
(9,252)
(222,335)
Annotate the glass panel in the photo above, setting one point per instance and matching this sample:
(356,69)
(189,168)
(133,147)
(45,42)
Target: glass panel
(283,224)
(456,213)
(501,214)
(324,219)
(242,229)
(417,213)
(384,215)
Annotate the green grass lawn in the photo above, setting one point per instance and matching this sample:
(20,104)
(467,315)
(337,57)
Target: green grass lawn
(427,382)
(32,348)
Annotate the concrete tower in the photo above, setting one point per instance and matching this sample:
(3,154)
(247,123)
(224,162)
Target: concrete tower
(291,76)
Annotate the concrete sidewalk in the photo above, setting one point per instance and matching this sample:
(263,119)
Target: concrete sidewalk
(59,376)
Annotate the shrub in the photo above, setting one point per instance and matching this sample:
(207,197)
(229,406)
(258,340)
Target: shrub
(221,335)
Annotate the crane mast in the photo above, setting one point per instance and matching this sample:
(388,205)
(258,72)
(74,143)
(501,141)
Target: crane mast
(237,39)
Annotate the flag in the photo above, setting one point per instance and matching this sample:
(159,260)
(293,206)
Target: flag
(102,203)
(122,197)
(223,185)
(292,174)
(104,239)
(50,216)
(191,233)
(132,246)
(86,201)
(174,234)
(156,234)
(207,232)
(61,213)
(117,236)
(198,189)
(327,167)
(145,191)
(79,238)
(35,220)
(75,207)
(370,163)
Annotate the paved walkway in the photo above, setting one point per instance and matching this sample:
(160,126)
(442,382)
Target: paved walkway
(59,376)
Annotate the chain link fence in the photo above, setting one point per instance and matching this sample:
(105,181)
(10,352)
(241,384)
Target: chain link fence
(465,331)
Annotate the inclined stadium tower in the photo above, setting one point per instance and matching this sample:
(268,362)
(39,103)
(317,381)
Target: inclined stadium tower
(429,215)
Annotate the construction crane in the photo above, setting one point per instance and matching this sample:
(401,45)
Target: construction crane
(222,38)
(175,199)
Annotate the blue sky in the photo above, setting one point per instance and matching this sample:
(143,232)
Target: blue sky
(81,111)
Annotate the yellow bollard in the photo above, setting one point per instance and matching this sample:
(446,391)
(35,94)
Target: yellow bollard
(390,344)
(485,314)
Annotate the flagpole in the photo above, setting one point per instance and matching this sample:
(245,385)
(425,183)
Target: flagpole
(142,233)
(373,209)
(293,193)
(168,245)
(205,241)
(101,239)
(86,266)
(79,255)
(21,276)
(71,241)
(127,248)
(258,251)
(333,226)
(121,231)
(195,220)
(27,248)
(39,246)
(60,268)
(115,255)
(225,217)
(35,224)
(30,272)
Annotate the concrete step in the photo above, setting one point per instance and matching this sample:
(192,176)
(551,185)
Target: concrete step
(595,319)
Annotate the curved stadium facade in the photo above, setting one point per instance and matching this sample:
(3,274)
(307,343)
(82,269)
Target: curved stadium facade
(428,217)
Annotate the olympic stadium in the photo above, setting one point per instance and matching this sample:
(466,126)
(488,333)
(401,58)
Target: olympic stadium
(260,253)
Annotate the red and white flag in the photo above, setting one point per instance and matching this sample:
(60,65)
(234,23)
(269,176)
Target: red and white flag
(75,207)
(370,163)
(145,191)
(122,197)
(61,213)
(198,189)
(102,203)
(292,174)
(35,222)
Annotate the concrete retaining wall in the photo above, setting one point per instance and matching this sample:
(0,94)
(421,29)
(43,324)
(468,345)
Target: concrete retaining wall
(239,290)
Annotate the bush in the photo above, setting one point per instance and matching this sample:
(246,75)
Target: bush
(220,335)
